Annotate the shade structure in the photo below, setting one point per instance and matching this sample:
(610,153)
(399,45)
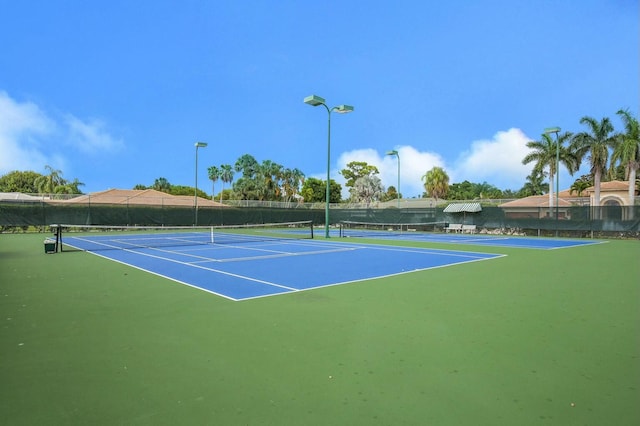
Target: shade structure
(463,208)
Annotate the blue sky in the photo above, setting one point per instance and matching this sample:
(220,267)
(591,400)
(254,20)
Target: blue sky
(116,93)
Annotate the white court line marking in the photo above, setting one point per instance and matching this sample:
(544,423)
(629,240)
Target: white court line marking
(349,246)
(283,254)
(193,265)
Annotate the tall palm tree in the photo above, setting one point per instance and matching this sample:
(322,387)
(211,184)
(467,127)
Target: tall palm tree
(248,165)
(627,150)
(595,143)
(544,154)
(226,176)
(271,174)
(214,174)
(436,182)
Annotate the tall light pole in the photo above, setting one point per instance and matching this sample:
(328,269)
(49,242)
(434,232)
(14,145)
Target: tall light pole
(314,100)
(195,198)
(395,152)
(556,130)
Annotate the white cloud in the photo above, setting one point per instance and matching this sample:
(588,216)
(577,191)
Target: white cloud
(30,138)
(497,161)
(90,137)
(23,127)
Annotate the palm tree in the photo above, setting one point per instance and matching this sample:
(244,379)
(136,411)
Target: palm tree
(579,186)
(627,150)
(436,182)
(226,176)
(248,165)
(534,184)
(595,143)
(214,174)
(272,175)
(69,187)
(544,154)
(47,184)
(296,180)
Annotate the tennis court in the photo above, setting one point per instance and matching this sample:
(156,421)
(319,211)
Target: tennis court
(411,232)
(533,337)
(242,263)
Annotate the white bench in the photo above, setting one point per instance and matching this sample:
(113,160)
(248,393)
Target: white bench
(471,229)
(454,227)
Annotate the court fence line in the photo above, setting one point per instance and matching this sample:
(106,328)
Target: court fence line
(576,221)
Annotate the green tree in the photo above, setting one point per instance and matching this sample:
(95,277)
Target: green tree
(292,178)
(391,194)
(271,174)
(69,187)
(356,170)
(595,142)
(248,165)
(509,193)
(245,189)
(251,186)
(534,184)
(47,184)
(314,191)
(626,151)
(18,181)
(461,191)
(162,184)
(580,184)
(436,183)
(544,153)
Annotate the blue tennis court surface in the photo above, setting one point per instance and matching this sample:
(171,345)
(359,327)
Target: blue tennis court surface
(480,239)
(249,270)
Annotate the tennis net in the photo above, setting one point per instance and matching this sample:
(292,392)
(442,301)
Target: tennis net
(378,230)
(101,237)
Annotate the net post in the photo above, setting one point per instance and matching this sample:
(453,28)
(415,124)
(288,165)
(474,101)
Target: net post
(211,230)
(57,233)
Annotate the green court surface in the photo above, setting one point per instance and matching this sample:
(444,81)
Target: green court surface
(535,337)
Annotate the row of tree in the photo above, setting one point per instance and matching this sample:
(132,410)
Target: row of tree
(30,182)
(611,155)
(607,151)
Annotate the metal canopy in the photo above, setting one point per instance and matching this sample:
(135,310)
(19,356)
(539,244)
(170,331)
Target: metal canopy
(463,208)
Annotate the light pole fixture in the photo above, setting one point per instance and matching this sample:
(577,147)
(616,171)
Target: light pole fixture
(556,130)
(395,152)
(195,198)
(314,100)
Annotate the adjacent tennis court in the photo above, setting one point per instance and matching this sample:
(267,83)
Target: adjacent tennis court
(434,233)
(242,262)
